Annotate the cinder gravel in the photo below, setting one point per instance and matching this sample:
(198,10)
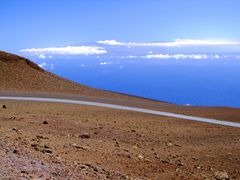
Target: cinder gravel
(120,144)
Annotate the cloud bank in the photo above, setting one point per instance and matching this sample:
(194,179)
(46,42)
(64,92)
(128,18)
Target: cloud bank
(177,49)
(68,50)
(175,43)
(179,56)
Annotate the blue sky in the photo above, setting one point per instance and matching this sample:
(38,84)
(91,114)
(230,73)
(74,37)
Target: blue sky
(54,23)
(182,51)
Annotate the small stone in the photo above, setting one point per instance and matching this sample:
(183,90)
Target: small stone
(129,156)
(123,177)
(95,169)
(24,172)
(165,161)
(117,144)
(4,106)
(177,145)
(140,157)
(135,147)
(41,137)
(15,151)
(169,144)
(45,122)
(84,136)
(194,158)
(92,167)
(47,151)
(221,175)
(76,145)
(180,164)
(14,129)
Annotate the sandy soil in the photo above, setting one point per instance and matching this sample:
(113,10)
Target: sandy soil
(60,141)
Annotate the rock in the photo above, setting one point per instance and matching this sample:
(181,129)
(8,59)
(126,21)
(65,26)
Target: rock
(43,149)
(45,122)
(221,175)
(14,129)
(117,144)
(165,161)
(92,167)
(41,137)
(141,157)
(84,136)
(24,172)
(177,145)
(123,177)
(194,158)
(46,151)
(169,144)
(4,106)
(76,145)
(79,147)
(180,164)
(15,151)
(129,156)
(135,147)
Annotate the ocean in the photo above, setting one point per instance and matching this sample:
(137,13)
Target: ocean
(186,82)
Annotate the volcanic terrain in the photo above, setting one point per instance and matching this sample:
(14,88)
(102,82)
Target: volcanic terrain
(40,140)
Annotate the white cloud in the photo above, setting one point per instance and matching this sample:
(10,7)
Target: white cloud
(111,42)
(131,57)
(173,56)
(68,50)
(216,56)
(42,65)
(176,56)
(45,65)
(175,43)
(41,56)
(106,63)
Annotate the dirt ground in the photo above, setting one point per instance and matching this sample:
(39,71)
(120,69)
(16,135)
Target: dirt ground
(63,141)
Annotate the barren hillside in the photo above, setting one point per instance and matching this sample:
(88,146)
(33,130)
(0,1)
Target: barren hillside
(22,75)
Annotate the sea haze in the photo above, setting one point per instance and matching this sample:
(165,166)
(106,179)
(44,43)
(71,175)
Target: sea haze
(208,82)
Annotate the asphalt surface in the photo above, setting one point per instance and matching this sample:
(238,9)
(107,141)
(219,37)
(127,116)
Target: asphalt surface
(113,106)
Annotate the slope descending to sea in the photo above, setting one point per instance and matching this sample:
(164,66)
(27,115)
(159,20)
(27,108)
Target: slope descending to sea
(18,74)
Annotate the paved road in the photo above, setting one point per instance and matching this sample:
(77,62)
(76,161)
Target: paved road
(113,106)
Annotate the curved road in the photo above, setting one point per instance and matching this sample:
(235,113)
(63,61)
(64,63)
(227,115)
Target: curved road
(113,106)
